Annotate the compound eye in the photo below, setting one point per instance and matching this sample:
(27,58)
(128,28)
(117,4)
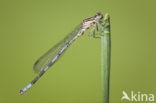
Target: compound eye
(98,14)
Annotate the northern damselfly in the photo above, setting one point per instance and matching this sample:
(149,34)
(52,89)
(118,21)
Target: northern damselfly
(49,58)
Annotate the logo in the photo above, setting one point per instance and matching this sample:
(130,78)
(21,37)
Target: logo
(137,96)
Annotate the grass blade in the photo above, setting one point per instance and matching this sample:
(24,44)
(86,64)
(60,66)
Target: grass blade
(105,58)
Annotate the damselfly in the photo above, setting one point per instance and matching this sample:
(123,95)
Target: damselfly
(49,58)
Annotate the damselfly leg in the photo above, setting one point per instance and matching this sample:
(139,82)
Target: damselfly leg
(92,30)
(95,30)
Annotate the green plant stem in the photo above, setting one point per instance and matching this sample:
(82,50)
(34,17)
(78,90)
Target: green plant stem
(105,58)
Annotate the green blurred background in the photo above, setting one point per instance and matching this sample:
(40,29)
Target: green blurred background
(28,28)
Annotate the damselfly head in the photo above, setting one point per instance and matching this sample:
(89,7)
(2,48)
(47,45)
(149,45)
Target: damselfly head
(98,16)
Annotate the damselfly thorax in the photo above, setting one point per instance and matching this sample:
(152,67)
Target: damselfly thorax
(92,21)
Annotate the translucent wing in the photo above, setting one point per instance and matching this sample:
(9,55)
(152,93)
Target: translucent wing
(45,60)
